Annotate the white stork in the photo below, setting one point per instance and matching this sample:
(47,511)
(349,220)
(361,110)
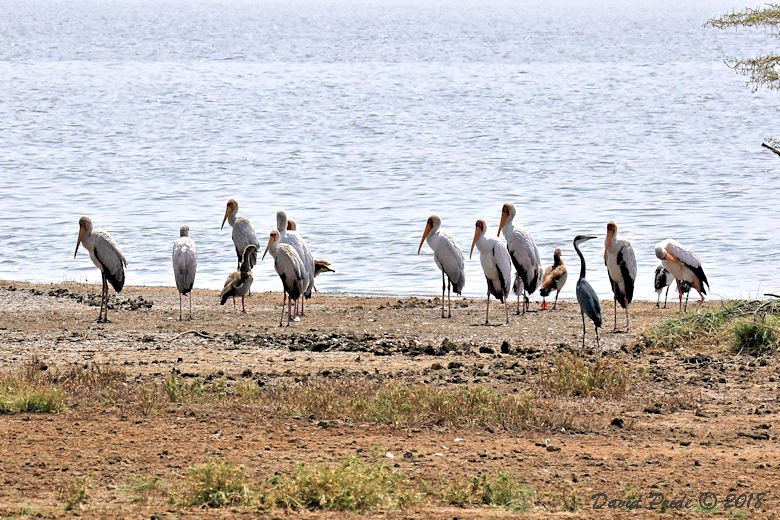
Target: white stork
(294,239)
(554,278)
(106,256)
(289,267)
(185,263)
(684,265)
(449,258)
(496,265)
(239,282)
(662,278)
(621,267)
(524,254)
(243,232)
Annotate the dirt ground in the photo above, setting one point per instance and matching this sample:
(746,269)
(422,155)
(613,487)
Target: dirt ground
(698,423)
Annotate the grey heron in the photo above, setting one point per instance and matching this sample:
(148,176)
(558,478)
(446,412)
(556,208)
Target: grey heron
(243,232)
(586,296)
(107,257)
(554,278)
(496,265)
(449,258)
(663,278)
(289,267)
(239,282)
(524,254)
(621,268)
(684,265)
(185,263)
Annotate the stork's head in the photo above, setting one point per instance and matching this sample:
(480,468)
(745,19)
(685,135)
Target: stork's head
(273,238)
(480,228)
(291,225)
(661,253)
(508,213)
(432,225)
(230,209)
(85,228)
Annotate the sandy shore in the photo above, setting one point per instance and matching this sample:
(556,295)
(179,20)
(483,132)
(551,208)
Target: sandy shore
(683,429)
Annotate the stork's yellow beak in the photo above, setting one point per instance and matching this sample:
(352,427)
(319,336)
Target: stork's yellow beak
(78,242)
(227,212)
(474,242)
(425,235)
(267,247)
(504,215)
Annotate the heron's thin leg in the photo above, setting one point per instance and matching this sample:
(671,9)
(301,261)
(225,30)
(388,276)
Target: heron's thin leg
(667,295)
(190,296)
(598,346)
(583,328)
(243,309)
(179,306)
(556,299)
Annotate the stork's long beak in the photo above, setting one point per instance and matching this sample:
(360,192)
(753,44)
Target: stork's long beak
(78,242)
(267,247)
(425,235)
(504,214)
(669,256)
(474,242)
(227,212)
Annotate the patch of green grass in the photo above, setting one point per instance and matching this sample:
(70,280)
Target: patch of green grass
(216,484)
(573,376)
(351,485)
(410,406)
(25,392)
(712,326)
(756,336)
(501,490)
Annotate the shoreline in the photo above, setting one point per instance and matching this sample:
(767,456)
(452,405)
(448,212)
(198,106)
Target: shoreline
(692,420)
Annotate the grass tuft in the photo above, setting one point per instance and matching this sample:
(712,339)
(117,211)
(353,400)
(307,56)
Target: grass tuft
(27,391)
(351,485)
(573,376)
(755,336)
(216,484)
(502,490)
(713,326)
(74,491)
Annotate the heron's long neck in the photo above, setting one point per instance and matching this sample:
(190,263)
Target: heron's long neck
(582,262)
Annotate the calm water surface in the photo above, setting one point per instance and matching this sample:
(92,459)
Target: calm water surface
(362,118)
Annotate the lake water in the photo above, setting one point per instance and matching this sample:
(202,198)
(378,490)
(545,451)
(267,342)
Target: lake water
(362,118)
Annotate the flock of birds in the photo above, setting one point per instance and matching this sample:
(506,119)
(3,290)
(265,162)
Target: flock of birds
(678,262)
(297,268)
